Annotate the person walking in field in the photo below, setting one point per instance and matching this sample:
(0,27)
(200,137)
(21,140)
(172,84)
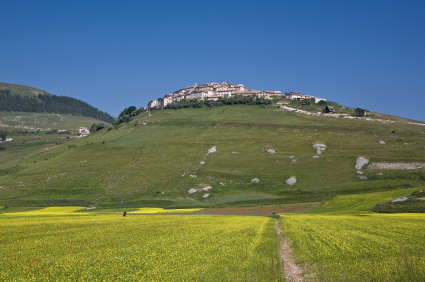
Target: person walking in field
(125,213)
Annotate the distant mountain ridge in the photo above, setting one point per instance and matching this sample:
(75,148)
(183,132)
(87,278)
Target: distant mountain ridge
(20,98)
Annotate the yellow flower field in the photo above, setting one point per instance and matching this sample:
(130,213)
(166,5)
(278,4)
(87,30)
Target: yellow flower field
(161,210)
(335,245)
(138,248)
(47,211)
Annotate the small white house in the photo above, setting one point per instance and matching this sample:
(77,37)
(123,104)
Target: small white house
(83,131)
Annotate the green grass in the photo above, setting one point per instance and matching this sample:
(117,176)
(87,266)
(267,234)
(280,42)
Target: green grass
(359,204)
(26,144)
(44,121)
(344,241)
(21,89)
(138,165)
(6,209)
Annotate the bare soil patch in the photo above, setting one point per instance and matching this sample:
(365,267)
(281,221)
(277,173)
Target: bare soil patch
(293,272)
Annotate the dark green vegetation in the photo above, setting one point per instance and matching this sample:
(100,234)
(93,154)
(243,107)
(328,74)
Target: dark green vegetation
(3,135)
(128,111)
(22,121)
(18,99)
(127,114)
(153,160)
(237,100)
(413,203)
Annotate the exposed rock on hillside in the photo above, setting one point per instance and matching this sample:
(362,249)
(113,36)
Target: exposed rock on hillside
(360,162)
(291,181)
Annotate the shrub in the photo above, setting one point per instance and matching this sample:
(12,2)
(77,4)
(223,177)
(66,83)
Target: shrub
(358,112)
(3,135)
(97,126)
(127,111)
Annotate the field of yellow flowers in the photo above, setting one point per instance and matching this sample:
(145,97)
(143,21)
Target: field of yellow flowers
(65,246)
(344,241)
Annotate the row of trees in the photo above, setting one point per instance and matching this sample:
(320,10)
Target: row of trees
(195,103)
(50,104)
(127,114)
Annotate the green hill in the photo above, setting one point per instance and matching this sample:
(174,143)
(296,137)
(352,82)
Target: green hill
(20,98)
(22,90)
(155,160)
(21,121)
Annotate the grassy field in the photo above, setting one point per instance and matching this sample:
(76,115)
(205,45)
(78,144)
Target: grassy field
(21,89)
(56,244)
(26,144)
(344,241)
(154,161)
(32,121)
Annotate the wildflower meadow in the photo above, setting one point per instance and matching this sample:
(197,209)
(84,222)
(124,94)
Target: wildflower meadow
(37,246)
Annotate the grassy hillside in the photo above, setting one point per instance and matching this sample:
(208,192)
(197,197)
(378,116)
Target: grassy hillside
(27,91)
(20,98)
(44,121)
(154,160)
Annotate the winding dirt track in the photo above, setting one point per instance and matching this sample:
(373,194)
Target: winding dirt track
(293,272)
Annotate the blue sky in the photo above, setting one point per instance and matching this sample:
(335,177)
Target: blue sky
(113,54)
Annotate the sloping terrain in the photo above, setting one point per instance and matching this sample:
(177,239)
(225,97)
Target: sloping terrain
(44,121)
(246,154)
(22,90)
(20,98)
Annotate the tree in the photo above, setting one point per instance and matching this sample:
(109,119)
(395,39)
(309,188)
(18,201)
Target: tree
(97,126)
(127,111)
(3,135)
(359,112)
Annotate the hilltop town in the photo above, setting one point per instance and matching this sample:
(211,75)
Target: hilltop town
(215,91)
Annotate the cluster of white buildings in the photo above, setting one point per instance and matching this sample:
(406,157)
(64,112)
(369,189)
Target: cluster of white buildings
(299,97)
(210,91)
(215,90)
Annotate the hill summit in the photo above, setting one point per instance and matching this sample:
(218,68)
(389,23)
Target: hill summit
(20,98)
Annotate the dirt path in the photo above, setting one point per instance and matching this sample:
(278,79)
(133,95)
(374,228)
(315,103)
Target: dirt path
(293,272)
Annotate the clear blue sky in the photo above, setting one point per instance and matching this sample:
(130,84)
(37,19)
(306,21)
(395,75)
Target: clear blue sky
(113,54)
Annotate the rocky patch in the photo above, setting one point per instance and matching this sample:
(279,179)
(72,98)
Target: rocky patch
(385,165)
(291,181)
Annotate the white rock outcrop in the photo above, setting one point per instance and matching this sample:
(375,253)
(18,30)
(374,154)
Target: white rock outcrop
(360,162)
(255,180)
(399,200)
(320,147)
(194,190)
(384,165)
(291,181)
(212,150)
